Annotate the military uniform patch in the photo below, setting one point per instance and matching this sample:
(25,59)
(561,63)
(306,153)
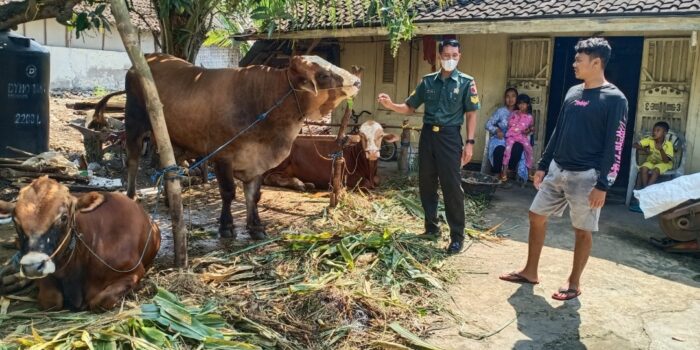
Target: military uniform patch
(475,99)
(473,88)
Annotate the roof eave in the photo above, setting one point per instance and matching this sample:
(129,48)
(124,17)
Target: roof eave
(689,21)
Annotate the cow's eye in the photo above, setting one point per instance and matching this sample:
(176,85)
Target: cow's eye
(64,218)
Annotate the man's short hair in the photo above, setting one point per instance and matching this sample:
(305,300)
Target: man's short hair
(663,125)
(596,48)
(449,42)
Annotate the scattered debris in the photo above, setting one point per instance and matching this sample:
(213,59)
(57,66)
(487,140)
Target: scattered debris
(344,279)
(105,183)
(53,160)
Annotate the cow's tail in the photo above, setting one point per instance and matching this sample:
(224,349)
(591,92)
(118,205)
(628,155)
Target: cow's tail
(98,118)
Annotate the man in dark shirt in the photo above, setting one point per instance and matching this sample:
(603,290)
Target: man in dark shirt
(583,157)
(450,97)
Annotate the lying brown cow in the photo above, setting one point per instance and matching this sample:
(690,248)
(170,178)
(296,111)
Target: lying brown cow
(204,108)
(86,252)
(309,166)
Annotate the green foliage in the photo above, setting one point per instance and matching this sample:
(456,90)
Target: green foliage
(164,323)
(99,91)
(397,16)
(90,19)
(270,16)
(222,37)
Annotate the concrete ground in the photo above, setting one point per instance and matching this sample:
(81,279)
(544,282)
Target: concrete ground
(634,296)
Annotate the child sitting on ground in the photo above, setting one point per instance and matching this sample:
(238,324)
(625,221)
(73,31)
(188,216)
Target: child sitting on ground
(660,155)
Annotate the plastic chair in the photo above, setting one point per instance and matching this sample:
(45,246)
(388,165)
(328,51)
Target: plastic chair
(679,156)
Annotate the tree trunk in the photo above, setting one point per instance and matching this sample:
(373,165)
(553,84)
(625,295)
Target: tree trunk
(160,131)
(182,33)
(15,13)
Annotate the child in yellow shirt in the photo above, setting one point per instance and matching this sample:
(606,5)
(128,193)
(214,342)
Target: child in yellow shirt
(660,155)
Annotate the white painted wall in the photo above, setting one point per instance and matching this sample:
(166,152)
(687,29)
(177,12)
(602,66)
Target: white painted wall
(86,69)
(98,59)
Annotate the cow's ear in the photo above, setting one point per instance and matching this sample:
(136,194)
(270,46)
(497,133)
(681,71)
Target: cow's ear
(89,202)
(6,209)
(357,71)
(391,138)
(354,138)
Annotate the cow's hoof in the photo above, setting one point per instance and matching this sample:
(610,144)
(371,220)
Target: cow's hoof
(227,232)
(257,232)
(308,187)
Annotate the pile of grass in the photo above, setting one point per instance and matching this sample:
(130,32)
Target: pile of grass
(352,277)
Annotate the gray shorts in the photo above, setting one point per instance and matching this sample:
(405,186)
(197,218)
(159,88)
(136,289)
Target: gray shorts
(563,187)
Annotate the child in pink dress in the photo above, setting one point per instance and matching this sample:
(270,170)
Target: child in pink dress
(520,125)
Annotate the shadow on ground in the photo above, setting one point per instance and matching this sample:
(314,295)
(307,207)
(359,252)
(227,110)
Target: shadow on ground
(623,237)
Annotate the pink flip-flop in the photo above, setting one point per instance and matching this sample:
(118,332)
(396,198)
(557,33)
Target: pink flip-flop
(568,294)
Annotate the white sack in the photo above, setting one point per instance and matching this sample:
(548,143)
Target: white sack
(660,197)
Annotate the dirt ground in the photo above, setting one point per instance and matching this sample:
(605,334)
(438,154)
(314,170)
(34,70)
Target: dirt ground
(634,296)
(62,137)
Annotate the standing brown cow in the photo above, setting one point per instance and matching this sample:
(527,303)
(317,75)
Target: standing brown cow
(204,108)
(87,251)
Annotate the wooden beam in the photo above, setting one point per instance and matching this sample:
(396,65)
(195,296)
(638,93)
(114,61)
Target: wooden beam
(384,126)
(524,26)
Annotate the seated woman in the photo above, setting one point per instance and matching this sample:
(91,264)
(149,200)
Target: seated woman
(497,126)
(520,125)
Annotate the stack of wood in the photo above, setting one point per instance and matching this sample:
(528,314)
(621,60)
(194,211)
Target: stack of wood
(23,169)
(113,137)
(321,127)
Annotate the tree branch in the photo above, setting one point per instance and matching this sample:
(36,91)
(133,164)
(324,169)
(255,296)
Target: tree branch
(15,13)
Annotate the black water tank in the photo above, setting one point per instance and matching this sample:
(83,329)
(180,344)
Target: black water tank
(24,94)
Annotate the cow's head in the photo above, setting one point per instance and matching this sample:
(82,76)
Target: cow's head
(371,135)
(326,84)
(43,216)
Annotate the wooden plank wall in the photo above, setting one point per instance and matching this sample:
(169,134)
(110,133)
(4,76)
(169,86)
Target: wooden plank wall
(693,126)
(485,57)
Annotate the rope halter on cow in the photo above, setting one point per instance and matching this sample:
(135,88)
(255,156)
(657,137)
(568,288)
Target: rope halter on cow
(72,234)
(67,236)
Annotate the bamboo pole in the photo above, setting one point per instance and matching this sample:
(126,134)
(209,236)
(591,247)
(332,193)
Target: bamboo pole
(160,131)
(14,174)
(20,152)
(339,163)
(405,143)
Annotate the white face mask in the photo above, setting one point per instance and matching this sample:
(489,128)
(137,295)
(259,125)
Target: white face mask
(449,65)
